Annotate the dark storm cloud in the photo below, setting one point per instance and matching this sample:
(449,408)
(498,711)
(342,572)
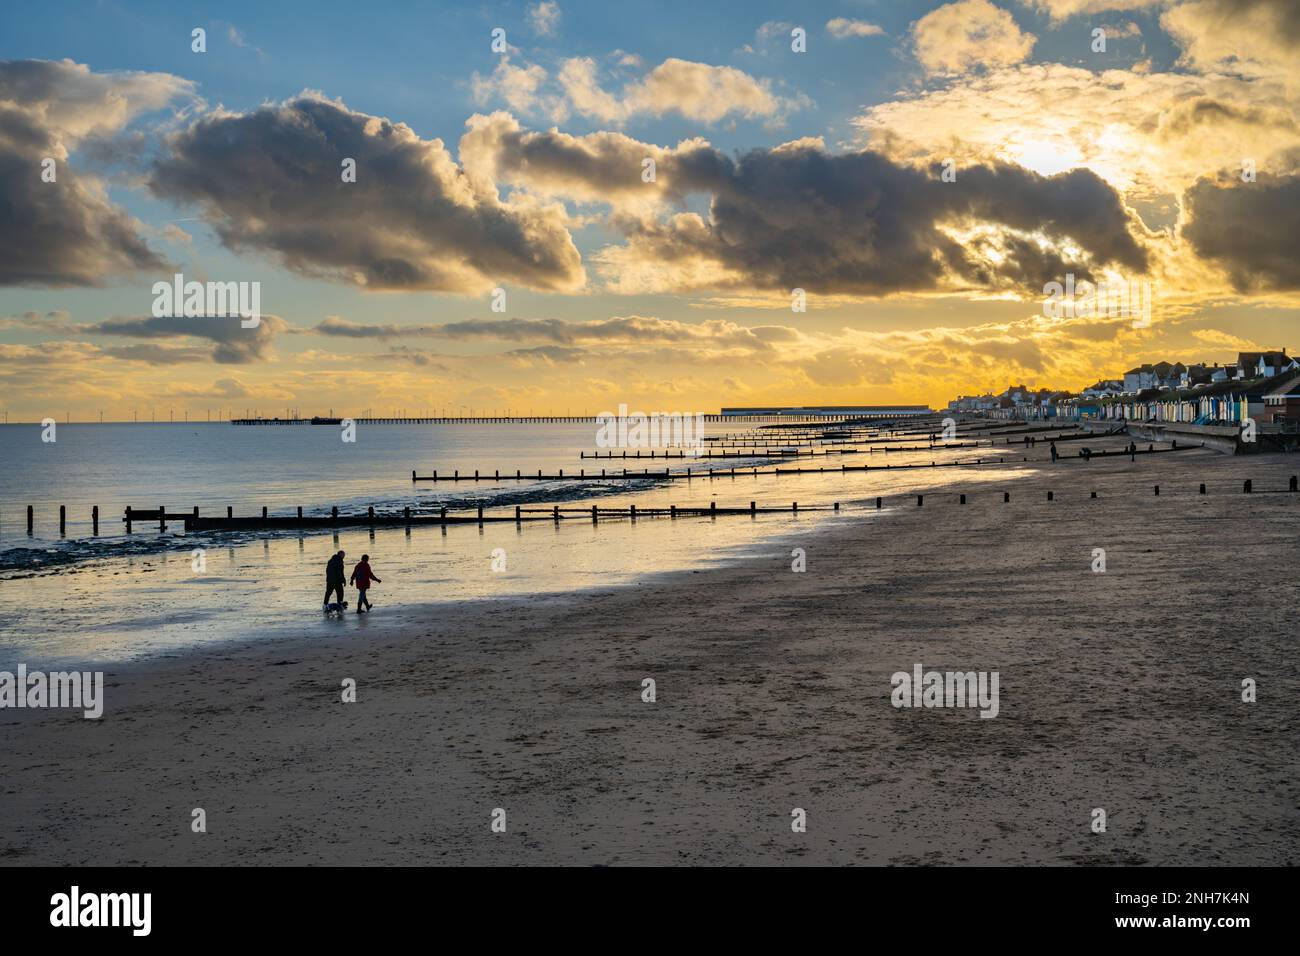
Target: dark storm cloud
(233,344)
(271,180)
(1249,229)
(797,216)
(859,223)
(67,233)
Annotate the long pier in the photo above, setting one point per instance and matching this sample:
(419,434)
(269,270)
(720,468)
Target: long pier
(432,420)
(525,420)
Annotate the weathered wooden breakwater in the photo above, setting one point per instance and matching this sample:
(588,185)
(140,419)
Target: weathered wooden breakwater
(192,521)
(690,474)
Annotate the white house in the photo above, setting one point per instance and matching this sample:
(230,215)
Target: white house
(1105,388)
(1140,378)
(1264,364)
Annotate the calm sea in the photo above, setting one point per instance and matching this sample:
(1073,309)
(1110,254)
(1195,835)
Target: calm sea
(81,597)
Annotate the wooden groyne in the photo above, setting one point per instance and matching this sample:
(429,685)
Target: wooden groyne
(192,521)
(521,514)
(794,449)
(653,454)
(690,474)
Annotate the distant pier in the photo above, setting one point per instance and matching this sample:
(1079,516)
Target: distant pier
(824,419)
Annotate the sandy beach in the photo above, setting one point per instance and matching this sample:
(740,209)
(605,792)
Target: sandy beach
(1118,690)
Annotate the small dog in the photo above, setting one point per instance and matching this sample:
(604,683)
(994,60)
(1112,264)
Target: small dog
(335,609)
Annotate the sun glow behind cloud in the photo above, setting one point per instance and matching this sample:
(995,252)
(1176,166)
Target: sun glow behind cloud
(914,292)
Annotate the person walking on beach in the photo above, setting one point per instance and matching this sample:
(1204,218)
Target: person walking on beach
(361,577)
(334,578)
(1132,451)
(1054,456)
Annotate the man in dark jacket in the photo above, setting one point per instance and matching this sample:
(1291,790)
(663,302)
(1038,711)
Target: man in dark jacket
(334,577)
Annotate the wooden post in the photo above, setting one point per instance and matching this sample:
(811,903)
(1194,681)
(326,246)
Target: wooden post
(713,509)
(879,502)
(128,519)
(1246,487)
(1157,490)
(263,512)
(963,500)
(370,514)
(94,520)
(300,512)
(162,517)
(1093,495)
(837,505)
(476,474)
(1293,482)
(443,515)
(1049,496)
(230,512)
(480,515)
(672,511)
(633,512)
(406,513)
(593,514)
(334,513)
(1203,486)
(920,501)
(413,474)
(794,507)
(63,519)
(1006,496)
(196,511)
(517,518)
(556,513)
(753,507)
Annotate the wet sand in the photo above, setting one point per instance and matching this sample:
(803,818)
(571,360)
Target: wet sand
(1119,690)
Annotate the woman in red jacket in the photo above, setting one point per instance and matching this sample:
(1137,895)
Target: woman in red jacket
(361,577)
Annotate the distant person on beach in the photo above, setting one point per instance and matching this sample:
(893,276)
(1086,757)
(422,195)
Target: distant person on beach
(1132,451)
(361,577)
(1054,456)
(334,578)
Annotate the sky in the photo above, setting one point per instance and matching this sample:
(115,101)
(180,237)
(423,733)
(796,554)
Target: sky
(563,207)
